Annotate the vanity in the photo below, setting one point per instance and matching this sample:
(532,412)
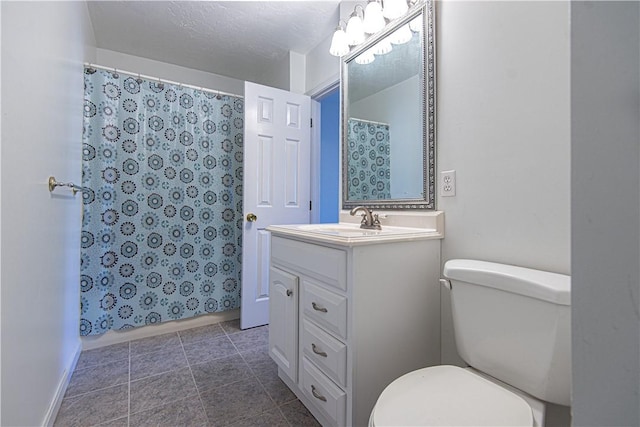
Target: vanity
(350,311)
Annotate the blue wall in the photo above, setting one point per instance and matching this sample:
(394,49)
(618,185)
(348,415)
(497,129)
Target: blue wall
(329,157)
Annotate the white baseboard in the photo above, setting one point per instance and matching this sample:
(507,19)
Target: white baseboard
(54,407)
(117,337)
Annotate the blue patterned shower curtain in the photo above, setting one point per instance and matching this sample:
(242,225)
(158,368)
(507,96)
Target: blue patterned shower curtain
(162,221)
(369,160)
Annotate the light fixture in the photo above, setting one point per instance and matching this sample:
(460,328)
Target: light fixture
(401,35)
(366,57)
(339,45)
(355,31)
(373,19)
(416,24)
(382,47)
(394,9)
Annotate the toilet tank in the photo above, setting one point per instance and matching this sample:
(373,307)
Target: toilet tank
(513,323)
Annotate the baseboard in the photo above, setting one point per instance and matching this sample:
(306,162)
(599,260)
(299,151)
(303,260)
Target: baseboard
(117,337)
(54,407)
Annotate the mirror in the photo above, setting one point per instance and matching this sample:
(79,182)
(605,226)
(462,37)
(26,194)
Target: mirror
(388,117)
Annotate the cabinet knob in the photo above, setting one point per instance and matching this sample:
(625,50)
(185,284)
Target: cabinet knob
(316,307)
(318,352)
(289,292)
(316,394)
(251,217)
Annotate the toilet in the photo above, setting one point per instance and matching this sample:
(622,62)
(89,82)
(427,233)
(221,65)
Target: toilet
(512,327)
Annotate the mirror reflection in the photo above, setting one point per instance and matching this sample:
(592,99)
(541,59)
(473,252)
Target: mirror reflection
(384,145)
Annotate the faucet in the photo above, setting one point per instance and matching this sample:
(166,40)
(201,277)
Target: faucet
(369,221)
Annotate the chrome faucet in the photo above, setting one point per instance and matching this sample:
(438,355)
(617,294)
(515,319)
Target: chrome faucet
(370,221)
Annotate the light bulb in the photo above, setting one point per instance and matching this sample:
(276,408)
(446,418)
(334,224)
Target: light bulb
(416,24)
(382,47)
(366,57)
(339,45)
(394,8)
(401,35)
(373,19)
(355,32)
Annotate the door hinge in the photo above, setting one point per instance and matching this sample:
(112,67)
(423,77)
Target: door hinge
(309,204)
(311,122)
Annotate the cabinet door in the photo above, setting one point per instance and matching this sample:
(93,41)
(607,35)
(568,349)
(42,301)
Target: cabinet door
(283,319)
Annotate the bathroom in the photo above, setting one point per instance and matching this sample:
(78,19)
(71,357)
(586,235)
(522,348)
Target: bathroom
(526,94)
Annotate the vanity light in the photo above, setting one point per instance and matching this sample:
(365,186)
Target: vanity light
(382,47)
(394,9)
(339,45)
(401,35)
(355,30)
(373,19)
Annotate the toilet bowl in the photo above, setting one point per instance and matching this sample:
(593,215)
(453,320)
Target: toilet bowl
(512,326)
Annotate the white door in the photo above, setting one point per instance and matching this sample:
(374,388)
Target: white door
(276,185)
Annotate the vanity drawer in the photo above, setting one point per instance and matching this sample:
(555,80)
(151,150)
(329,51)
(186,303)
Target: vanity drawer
(325,264)
(325,351)
(323,393)
(326,308)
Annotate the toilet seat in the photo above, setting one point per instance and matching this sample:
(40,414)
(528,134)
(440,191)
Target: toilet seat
(447,396)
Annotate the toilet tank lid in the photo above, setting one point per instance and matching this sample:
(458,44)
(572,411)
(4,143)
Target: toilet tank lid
(542,285)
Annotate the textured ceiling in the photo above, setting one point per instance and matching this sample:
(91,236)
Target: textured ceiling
(238,39)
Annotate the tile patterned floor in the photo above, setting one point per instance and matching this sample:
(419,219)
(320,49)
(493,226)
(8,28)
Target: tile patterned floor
(215,375)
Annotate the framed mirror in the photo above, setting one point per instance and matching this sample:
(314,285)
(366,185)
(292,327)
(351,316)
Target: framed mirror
(388,116)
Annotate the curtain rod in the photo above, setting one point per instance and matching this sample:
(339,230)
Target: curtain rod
(159,80)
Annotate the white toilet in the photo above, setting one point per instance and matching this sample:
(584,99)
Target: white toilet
(512,326)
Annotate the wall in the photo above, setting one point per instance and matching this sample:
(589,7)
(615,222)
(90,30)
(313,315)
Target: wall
(329,157)
(164,70)
(44,45)
(503,125)
(605,159)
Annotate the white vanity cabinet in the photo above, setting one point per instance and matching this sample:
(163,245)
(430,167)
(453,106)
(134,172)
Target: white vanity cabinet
(347,318)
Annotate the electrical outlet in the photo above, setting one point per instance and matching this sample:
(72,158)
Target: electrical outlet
(448,183)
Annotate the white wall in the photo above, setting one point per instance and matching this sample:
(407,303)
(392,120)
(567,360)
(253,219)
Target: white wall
(43,47)
(605,110)
(503,125)
(397,106)
(164,70)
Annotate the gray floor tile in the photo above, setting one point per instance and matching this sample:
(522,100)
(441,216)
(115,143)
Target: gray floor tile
(102,355)
(250,339)
(297,415)
(185,413)
(234,402)
(157,343)
(273,418)
(120,422)
(190,336)
(209,349)
(94,408)
(259,361)
(276,388)
(220,372)
(169,359)
(231,326)
(161,389)
(98,377)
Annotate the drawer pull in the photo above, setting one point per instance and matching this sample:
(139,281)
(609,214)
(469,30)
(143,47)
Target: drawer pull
(289,292)
(316,394)
(316,307)
(318,352)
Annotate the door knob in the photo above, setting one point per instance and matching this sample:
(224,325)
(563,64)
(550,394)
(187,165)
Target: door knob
(251,217)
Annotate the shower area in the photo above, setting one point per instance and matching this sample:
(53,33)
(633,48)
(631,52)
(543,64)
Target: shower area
(162,169)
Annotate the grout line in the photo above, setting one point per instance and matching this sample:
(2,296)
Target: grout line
(206,417)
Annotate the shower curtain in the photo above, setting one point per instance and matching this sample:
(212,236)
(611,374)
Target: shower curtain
(162,220)
(369,160)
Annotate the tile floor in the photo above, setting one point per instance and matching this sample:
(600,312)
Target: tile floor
(212,375)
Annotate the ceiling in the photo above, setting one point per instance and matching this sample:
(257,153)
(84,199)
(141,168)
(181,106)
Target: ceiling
(239,39)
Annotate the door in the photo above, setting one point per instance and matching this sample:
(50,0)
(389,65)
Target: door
(276,185)
(283,330)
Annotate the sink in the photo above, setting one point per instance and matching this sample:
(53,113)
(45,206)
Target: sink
(353,230)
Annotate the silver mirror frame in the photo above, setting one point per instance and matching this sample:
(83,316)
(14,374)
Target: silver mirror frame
(428,111)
